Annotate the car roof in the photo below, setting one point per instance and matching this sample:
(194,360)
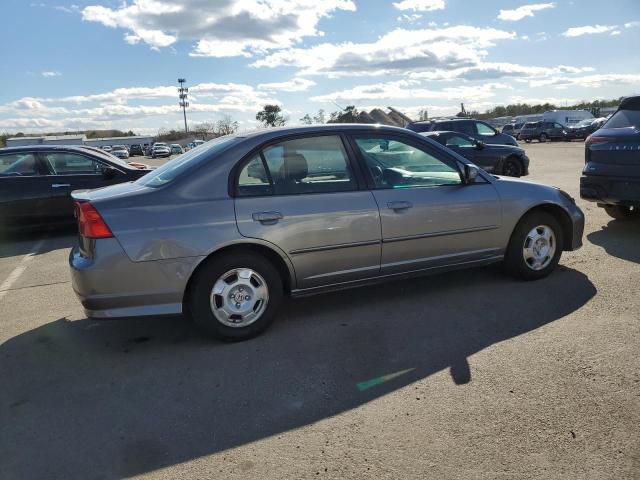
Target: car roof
(40,148)
(630,103)
(440,120)
(312,129)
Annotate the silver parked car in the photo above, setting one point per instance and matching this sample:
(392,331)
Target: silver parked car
(226,230)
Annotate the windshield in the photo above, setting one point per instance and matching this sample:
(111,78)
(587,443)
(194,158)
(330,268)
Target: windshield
(624,118)
(585,123)
(172,169)
(119,147)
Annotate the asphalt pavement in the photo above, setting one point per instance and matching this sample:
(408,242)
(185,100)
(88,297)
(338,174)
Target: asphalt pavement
(468,374)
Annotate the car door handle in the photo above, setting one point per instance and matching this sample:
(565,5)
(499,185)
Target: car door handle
(399,205)
(60,185)
(267,217)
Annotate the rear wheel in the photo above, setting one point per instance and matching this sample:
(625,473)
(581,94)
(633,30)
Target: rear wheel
(512,168)
(620,212)
(236,297)
(535,246)
(543,138)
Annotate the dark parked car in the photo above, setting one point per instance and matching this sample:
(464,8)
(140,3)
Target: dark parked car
(36,181)
(542,131)
(135,149)
(474,128)
(226,230)
(499,159)
(611,175)
(581,130)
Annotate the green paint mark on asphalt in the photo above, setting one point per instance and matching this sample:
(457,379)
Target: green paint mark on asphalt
(380,380)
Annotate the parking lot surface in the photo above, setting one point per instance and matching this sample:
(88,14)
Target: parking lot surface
(464,375)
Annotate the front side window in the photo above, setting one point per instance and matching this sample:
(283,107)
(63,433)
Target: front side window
(18,164)
(396,164)
(71,164)
(304,165)
(460,141)
(485,130)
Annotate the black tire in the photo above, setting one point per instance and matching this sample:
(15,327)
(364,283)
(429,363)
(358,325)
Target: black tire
(620,212)
(514,259)
(543,138)
(512,167)
(199,300)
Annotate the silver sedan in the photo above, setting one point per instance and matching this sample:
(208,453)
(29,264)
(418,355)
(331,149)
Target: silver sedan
(226,230)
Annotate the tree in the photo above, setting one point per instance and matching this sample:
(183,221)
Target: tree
(423,115)
(307,120)
(204,129)
(271,116)
(226,126)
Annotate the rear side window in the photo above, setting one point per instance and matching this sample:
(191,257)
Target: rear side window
(304,165)
(624,118)
(18,164)
(485,130)
(71,164)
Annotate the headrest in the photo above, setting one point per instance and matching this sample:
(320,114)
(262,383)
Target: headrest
(295,166)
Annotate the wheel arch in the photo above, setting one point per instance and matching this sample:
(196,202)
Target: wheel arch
(560,214)
(279,261)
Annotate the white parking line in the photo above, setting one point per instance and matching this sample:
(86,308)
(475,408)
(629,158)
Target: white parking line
(22,266)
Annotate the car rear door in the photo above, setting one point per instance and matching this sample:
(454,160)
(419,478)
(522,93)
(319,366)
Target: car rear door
(24,190)
(429,217)
(305,196)
(70,171)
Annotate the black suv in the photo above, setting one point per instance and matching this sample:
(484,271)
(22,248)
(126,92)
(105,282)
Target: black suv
(611,175)
(135,149)
(542,131)
(474,128)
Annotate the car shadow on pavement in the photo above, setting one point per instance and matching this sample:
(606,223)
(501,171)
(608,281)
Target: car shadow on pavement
(21,243)
(113,399)
(620,239)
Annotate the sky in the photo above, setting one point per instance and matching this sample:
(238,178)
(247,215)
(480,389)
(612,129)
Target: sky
(95,64)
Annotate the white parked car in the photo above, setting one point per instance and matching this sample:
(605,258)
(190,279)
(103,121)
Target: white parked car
(120,151)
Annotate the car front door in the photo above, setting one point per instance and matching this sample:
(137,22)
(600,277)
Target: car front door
(24,190)
(70,171)
(304,196)
(429,217)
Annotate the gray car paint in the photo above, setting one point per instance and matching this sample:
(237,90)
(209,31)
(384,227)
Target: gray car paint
(323,240)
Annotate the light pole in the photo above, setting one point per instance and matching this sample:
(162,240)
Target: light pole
(182,95)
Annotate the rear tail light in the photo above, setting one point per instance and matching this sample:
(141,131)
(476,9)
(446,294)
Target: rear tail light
(90,222)
(591,139)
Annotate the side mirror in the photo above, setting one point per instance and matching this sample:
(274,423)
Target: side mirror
(470,173)
(479,145)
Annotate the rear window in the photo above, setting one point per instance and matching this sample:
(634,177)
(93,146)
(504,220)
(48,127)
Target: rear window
(174,168)
(624,118)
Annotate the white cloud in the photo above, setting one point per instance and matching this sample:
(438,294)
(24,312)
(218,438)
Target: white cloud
(632,24)
(397,52)
(523,11)
(409,90)
(420,5)
(221,28)
(50,73)
(589,30)
(141,105)
(495,70)
(293,85)
(588,81)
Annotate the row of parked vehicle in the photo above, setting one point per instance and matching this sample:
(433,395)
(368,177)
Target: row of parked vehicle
(544,131)
(302,210)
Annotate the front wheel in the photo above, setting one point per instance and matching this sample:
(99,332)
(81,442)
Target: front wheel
(512,168)
(236,297)
(620,212)
(535,246)
(543,138)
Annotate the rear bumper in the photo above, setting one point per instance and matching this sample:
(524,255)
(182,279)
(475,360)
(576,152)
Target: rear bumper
(610,190)
(110,285)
